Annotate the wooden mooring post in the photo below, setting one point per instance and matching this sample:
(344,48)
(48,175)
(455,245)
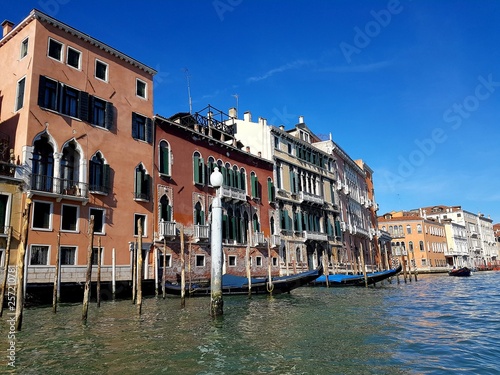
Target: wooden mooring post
(21,254)
(88,278)
(183,271)
(56,275)
(139,266)
(98,272)
(164,276)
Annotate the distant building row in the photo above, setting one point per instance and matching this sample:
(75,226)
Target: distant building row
(442,237)
(78,138)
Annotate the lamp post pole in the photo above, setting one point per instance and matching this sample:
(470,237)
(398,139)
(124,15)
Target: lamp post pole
(216,302)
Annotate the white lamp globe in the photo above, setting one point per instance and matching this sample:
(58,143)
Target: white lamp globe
(216,178)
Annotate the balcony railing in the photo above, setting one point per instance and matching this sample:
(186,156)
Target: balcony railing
(311,198)
(61,186)
(275,240)
(315,236)
(167,229)
(201,232)
(258,238)
(233,193)
(4,231)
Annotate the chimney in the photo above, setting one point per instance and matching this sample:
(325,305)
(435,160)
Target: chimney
(248,148)
(282,127)
(247,116)
(7,27)
(301,119)
(233,113)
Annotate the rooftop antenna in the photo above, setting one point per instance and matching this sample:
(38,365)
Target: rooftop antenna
(236,96)
(186,71)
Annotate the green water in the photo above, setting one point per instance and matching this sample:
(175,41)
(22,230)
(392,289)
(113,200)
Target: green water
(394,329)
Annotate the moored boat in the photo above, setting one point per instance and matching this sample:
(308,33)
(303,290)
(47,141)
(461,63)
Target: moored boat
(356,280)
(463,271)
(232,284)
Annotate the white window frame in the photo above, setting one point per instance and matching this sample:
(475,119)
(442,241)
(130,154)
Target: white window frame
(48,255)
(199,256)
(79,67)
(51,215)
(106,79)
(77,218)
(103,218)
(102,254)
(137,80)
(144,230)
(8,208)
(62,50)
(24,52)
(76,256)
(232,257)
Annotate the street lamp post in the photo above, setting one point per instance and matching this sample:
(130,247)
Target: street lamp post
(216,302)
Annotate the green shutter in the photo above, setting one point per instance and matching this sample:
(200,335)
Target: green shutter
(202,217)
(138,182)
(106,178)
(164,162)
(169,213)
(196,169)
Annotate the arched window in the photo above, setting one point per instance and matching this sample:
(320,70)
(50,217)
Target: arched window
(199,215)
(256,224)
(419,228)
(43,165)
(421,245)
(165,209)
(410,246)
(99,173)
(164,158)
(408,229)
(255,185)
(70,163)
(243,180)
(198,169)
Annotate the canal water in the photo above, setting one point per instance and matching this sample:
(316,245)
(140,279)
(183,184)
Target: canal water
(437,325)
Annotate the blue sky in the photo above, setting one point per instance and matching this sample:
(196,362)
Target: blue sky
(410,87)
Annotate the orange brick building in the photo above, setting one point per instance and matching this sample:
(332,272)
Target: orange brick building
(78,114)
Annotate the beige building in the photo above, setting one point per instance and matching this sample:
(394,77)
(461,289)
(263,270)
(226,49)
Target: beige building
(422,241)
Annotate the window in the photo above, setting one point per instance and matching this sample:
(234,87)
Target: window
(168,260)
(101,70)
(69,218)
(232,260)
(98,214)
(96,255)
(48,93)
(42,214)
(42,165)
(198,169)
(39,255)
(200,260)
(164,158)
(55,49)
(100,112)
(99,175)
(258,261)
(165,209)
(20,93)
(275,261)
(142,219)
(419,228)
(199,215)
(2,257)
(68,256)
(142,183)
(276,142)
(24,48)
(70,101)
(421,245)
(73,58)
(141,128)
(255,185)
(140,88)
(408,229)
(4,213)
(270,190)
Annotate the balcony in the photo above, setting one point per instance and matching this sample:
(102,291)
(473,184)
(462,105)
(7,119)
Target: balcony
(362,231)
(275,240)
(232,193)
(315,236)
(311,198)
(258,238)
(60,187)
(167,229)
(201,232)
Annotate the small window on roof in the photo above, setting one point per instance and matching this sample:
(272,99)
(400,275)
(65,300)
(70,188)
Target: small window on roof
(101,70)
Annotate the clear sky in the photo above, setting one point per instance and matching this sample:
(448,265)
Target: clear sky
(410,87)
